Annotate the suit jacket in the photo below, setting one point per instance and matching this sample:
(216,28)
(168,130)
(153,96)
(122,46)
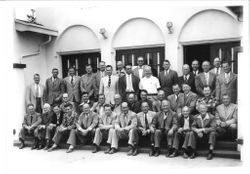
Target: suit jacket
(107,121)
(215,69)
(167,124)
(209,123)
(191,72)
(117,109)
(226,114)
(34,121)
(189,101)
(46,118)
(73,90)
(88,84)
(53,90)
(98,80)
(120,73)
(122,85)
(56,121)
(138,106)
(130,121)
(88,121)
(157,105)
(167,81)
(98,109)
(181,121)
(31,94)
(136,72)
(200,82)
(175,104)
(141,121)
(190,81)
(109,92)
(223,87)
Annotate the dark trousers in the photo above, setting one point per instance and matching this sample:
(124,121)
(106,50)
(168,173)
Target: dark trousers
(144,139)
(38,108)
(40,133)
(179,137)
(59,135)
(159,134)
(78,135)
(50,132)
(24,133)
(210,137)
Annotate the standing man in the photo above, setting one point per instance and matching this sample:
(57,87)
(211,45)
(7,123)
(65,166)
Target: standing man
(109,85)
(187,77)
(128,83)
(167,78)
(30,123)
(72,84)
(143,98)
(139,71)
(150,83)
(164,125)
(35,94)
(205,79)
(195,67)
(99,75)
(120,71)
(54,88)
(175,99)
(226,83)
(217,70)
(88,82)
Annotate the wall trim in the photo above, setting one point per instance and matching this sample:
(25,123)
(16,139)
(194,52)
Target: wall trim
(210,41)
(139,46)
(77,51)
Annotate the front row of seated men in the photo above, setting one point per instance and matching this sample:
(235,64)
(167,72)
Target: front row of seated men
(164,125)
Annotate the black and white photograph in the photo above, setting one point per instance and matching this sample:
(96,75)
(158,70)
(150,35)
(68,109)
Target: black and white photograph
(128,86)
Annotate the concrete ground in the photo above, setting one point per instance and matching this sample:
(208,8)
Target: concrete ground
(25,160)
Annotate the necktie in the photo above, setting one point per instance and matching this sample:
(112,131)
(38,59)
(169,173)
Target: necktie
(37,91)
(31,119)
(146,121)
(217,71)
(72,80)
(185,78)
(109,83)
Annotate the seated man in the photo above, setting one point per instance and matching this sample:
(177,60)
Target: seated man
(157,103)
(131,102)
(226,117)
(125,128)
(30,123)
(185,123)
(85,128)
(174,99)
(144,122)
(208,100)
(67,125)
(57,119)
(98,106)
(117,107)
(65,99)
(85,99)
(164,126)
(106,122)
(40,131)
(143,98)
(203,127)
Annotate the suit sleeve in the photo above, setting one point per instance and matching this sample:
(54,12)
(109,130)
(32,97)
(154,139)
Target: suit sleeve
(234,119)
(133,122)
(212,126)
(193,103)
(175,78)
(175,122)
(101,90)
(46,92)
(82,86)
(198,85)
(62,88)
(121,87)
(38,121)
(94,122)
(24,121)
(72,123)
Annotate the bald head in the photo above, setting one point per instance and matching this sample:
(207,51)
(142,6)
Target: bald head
(86,108)
(186,69)
(206,66)
(125,107)
(165,105)
(119,65)
(217,62)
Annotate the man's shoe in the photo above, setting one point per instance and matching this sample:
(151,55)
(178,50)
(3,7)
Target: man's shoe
(112,151)
(151,152)
(157,152)
(35,145)
(174,154)
(210,156)
(107,151)
(52,148)
(96,149)
(40,147)
(130,152)
(185,155)
(167,154)
(46,148)
(70,150)
(135,151)
(22,145)
(193,155)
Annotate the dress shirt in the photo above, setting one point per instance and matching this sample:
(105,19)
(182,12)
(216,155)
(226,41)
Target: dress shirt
(186,123)
(207,77)
(227,76)
(166,72)
(140,70)
(129,83)
(37,91)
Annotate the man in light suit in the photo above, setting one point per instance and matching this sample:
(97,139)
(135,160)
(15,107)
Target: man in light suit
(88,82)
(175,99)
(164,125)
(72,84)
(98,106)
(99,75)
(139,71)
(144,123)
(226,83)
(195,68)
(187,78)
(36,94)
(54,88)
(205,79)
(217,70)
(125,128)
(109,85)
(117,107)
(167,78)
(128,83)
(226,117)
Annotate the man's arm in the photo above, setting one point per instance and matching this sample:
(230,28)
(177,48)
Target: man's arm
(198,85)
(234,118)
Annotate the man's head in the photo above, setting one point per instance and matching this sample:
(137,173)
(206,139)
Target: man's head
(161,95)
(68,108)
(65,97)
(128,68)
(86,108)
(55,72)
(226,66)
(30,108)
(36,78)
(226,100)
(195,65)
(131,98)
(165,106)
(148,71)
(185,111)
(217,62)
(176,89)
(117,99)
(108,110)
(119,65)
(46,108)
(186,88)
(143,95)
(85,97)
(102,65)
(109,70)
(144,107)
(56,109)
(140,61)
(101,99)
(202,109)
(206,91)
(206,66)
(186,69)
(88,68)
(72,71)
(125,108)
(166,64)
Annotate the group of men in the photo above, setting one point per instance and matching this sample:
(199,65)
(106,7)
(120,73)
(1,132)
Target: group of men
(133,104)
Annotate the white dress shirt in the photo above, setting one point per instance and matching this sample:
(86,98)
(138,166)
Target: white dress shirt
(140,70)
(129,83)
(186,123)
(207,77)
(37,91)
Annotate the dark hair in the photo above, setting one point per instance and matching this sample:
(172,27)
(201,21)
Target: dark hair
(107,106)
(206,86)
(68,105)
(71,68)
(36,75)
(55,69)
(56,105)
(226,61)
(128,64)
(144,102)
(109,66)
(185,83)
(83,93)
(143,90)
(30,104)
(195,60)
(166,60)
(175,85)
(88,65)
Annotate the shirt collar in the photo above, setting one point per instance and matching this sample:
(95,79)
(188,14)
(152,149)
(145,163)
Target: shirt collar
(205,118)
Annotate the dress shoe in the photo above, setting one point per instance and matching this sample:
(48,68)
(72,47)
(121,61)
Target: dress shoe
(21,146)
(96,149)
(135,151)
(34,147)
(209,156)
(193,155)
(46,148)
(151,152)
(40,147)
(107,151)
(167,154)
(174,154)
(52,148)
(70,150)
(157,152)
(185,155)
(130,152)
(112,151)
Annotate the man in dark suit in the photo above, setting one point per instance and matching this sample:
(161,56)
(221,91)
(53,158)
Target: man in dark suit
(54,88)
(195,67)
(128,83)
(157,103)
(164,125)
(175,99)
(30,123)
(167,78)
(205,79)
(143,98)
(99,75)
(131,102)
(187,78)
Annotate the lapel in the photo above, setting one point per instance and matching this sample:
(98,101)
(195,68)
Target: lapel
(203,79)
(231,77)
(33,89)
(211,75)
